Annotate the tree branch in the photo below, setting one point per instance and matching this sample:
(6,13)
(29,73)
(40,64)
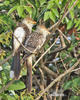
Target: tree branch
(58,78)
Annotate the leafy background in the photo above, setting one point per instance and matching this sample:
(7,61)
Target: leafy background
(46,12)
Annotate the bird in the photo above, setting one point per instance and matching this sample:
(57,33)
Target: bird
(34,43)
(20,34)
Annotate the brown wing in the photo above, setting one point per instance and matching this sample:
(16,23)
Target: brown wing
(34,41)
(26,30)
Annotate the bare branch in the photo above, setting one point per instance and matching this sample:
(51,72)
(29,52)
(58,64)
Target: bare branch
(58,78)
(62,41)
(46,69)
(63,35)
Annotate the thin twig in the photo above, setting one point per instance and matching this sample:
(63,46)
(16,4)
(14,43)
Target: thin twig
(47,70)
(62,41)
(23,45)
(45,53)
(76,70)
(57,88)
(58,78)
(63,35)
(64,65)
(70,9)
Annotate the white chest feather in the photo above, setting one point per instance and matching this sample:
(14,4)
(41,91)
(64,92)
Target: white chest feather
(20,34)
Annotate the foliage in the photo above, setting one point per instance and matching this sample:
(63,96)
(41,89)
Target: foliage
(48,12)
(74,86)
(74,83)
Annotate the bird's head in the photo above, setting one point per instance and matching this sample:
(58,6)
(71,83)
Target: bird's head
(29,22)
(43,30)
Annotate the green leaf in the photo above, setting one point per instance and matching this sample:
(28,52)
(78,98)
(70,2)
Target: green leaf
(77,24)
(20,10)
(57,3)
(76,82)
(72,84)
(41,14)
(63,3)
(52,16)
(50,4)
(78,5)
(66,19)
(6,97)
(6,2)
(12,9)
(3,96)
(46,15)
(67,59)
(72,14)
(74,98)
(34,13)
(17,85)
(10,97)
(71,48)
(67,85)
(37,3)
(31,2)
(42,2)
(46,46)
(30,97)
(69,25)
(28,9)
(55,11)
(78,28)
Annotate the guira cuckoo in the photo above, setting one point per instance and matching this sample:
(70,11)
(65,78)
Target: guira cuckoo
(34,43)
(20,34)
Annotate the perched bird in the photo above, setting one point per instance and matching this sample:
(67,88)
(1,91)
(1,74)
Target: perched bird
(20,34)
(34,43)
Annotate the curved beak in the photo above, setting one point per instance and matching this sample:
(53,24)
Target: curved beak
(34,22)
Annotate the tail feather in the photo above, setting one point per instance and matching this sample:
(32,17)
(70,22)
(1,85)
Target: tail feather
(29,74)
(15,68)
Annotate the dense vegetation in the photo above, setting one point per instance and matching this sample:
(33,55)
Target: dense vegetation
(57,65)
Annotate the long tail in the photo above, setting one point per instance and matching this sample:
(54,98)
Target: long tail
(29,73)
(15,68)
